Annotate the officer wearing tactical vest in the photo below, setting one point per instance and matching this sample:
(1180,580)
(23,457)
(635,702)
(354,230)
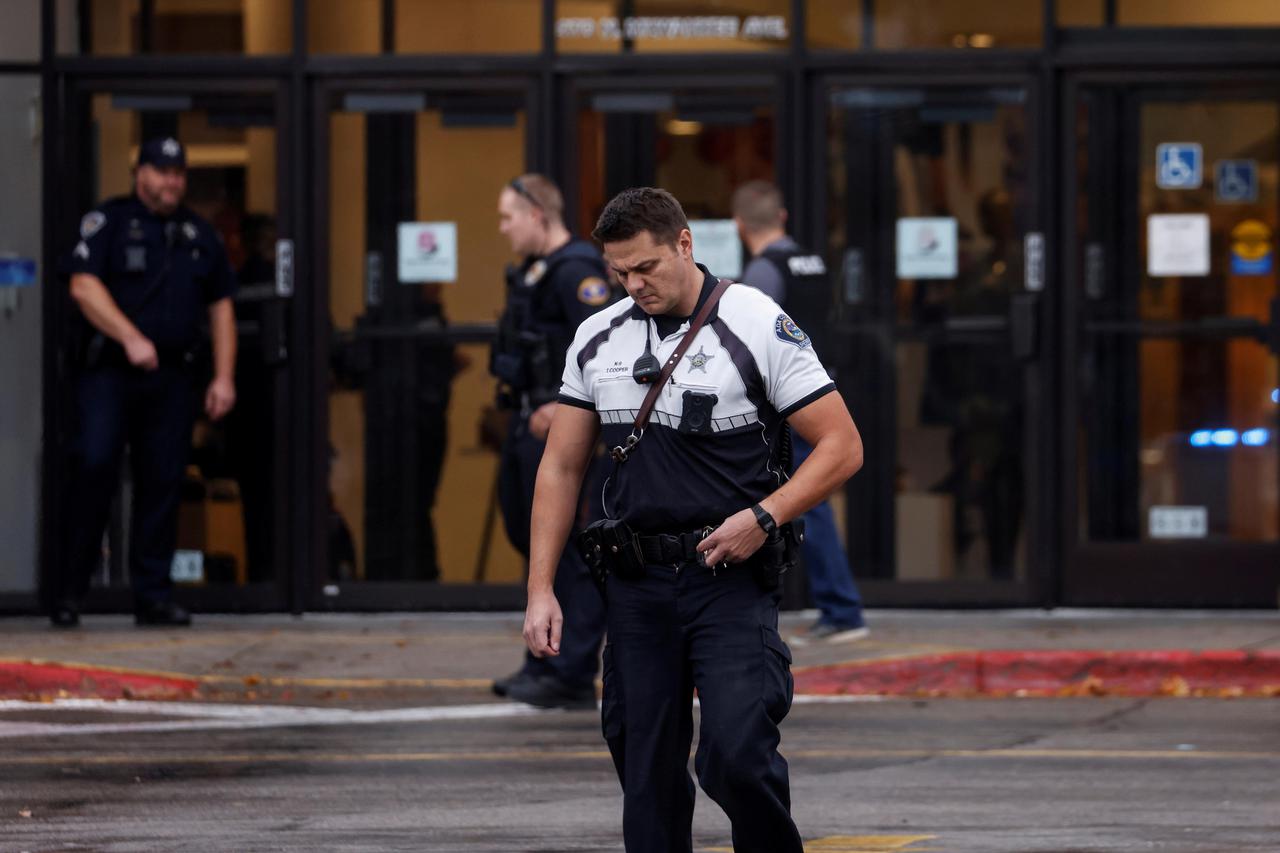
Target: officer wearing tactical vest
(145,273)
(560,282)
(798,280)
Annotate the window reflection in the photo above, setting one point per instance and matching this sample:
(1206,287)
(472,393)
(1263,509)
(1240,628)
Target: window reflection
(119,27)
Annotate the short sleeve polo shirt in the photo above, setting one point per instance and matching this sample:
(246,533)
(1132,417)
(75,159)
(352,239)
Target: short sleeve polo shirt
(750,356)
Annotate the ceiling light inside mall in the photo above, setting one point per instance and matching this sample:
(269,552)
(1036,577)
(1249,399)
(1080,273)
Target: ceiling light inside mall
(982,40)
(679,127)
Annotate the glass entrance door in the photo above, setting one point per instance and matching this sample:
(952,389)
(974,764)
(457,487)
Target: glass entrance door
(698,142)
(233,545)
(1174,328)
(930,219)
(411,266)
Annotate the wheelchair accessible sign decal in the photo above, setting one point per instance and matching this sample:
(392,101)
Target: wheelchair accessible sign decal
(1179,165)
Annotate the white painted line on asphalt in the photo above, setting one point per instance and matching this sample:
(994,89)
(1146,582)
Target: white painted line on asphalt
(210,717)
(816,699)
(196,716)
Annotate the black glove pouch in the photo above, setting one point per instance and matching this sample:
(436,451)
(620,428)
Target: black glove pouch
(610,548)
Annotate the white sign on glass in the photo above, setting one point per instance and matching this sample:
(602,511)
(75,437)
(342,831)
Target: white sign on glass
(187,567)
(428,252)
(1178,522)
(717,247)
(1177,244)
(927,247)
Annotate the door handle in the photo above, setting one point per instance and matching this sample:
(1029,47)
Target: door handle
(275,341)
(1024,325)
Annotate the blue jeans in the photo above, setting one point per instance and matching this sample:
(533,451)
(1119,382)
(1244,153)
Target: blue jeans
(830,576)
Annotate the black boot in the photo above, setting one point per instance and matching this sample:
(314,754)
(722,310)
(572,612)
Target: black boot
(65,614)
(164,614)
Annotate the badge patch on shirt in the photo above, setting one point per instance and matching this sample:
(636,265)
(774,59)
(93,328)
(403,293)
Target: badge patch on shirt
(92,223)
(698,361)
(593,291)
(135,258)
(534,274)
(788,332)
(189,231)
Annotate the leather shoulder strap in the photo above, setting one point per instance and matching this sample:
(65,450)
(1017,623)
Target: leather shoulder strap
(646,408)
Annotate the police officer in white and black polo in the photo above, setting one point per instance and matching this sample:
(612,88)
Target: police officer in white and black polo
(695,617)
(560,281)
(145,274)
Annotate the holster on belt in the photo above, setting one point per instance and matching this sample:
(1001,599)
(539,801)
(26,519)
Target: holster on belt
(779,554)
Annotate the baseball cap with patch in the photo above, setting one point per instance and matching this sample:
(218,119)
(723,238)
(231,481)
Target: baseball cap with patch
(163,152)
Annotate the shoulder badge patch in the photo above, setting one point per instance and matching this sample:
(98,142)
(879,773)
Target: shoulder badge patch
(788,332)
(92,223)
(593,291)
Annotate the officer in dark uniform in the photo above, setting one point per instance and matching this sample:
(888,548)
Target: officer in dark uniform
(560,283)
(797,280)
(698,525)
(144,274)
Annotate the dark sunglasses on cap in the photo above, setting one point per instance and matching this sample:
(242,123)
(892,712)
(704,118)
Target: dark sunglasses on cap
(523,191)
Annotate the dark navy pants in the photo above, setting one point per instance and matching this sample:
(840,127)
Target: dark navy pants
(152,412)
(583,609)
(669,634)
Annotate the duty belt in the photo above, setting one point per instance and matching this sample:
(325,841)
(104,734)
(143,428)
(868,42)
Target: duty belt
(668,548)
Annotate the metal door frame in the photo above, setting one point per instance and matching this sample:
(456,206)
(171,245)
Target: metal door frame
(573,88)
(383,595)
(1180,573)
(75,97)
(1038,473)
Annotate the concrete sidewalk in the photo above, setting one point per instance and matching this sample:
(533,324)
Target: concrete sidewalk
(358,660)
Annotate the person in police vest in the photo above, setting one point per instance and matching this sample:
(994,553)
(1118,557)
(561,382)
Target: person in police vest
(797,280)
(145,273)
(559,283)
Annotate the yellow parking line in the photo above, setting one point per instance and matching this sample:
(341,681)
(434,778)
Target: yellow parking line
(910,653)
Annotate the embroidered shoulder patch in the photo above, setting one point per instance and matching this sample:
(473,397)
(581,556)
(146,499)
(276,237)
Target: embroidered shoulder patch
(92,223)
(593,291)
(788,332)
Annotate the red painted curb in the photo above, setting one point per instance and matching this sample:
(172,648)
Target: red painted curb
(1052,673)
(981,673)
(39,680)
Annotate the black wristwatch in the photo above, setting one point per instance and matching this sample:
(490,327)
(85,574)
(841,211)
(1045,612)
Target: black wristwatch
(766,522)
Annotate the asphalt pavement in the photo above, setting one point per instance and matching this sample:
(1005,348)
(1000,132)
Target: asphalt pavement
(372,733)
